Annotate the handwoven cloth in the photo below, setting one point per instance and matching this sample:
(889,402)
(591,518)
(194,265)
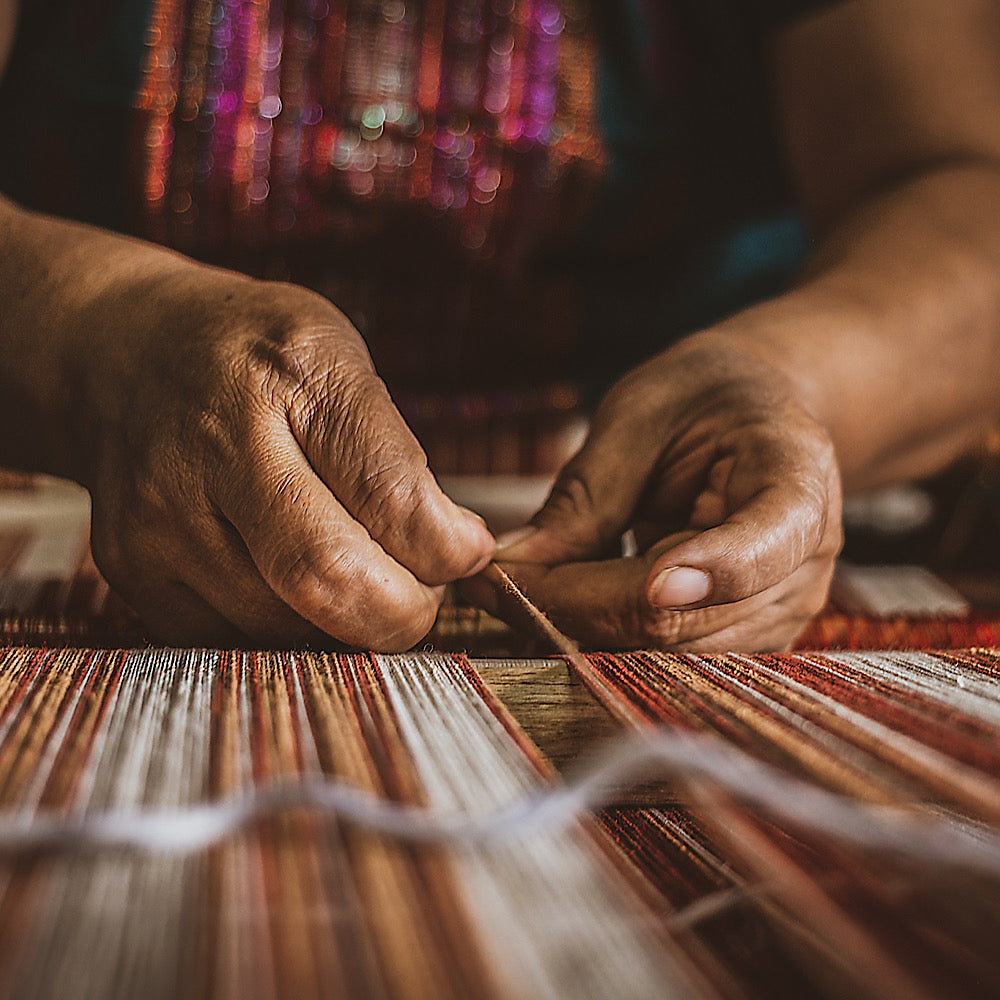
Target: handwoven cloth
(298,906)
(886,728)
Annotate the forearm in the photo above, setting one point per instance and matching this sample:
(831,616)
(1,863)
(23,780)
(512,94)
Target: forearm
(55,280)
(892,341)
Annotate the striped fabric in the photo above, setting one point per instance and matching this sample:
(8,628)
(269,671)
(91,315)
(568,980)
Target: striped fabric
(707,898)
(298,907)
(910,729)
(700,893)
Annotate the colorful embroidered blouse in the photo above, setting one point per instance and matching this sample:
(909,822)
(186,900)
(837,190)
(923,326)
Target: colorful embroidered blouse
(477,185)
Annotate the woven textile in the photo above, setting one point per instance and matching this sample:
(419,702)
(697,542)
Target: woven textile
(832,629)
(717,898)
(888,728)
(298,907)
(706,892)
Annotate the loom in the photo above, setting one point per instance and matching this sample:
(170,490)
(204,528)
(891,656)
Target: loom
(245,823)
(821,823)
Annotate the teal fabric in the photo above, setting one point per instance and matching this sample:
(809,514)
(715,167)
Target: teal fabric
(749,264)
(696,220)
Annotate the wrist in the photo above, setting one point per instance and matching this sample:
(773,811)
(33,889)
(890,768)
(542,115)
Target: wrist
(730,362)
(61,339)
(859,365)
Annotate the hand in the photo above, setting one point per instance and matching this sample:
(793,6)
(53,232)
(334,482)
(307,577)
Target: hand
(732,492)
(250,475)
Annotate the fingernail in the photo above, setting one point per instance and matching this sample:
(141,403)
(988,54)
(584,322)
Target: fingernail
(679,586)
(511,538)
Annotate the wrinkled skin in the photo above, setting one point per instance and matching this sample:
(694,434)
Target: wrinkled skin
(251,476)
(708,459)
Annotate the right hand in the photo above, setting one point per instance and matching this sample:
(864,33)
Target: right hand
(250,474)
(731,489)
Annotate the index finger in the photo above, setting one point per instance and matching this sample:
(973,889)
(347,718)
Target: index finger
(685,590)
(362,449)
(318,559)
(603,605)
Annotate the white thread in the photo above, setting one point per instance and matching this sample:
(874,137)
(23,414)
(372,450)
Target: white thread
(911,833)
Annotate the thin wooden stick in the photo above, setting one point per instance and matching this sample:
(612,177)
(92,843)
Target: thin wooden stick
(563,643)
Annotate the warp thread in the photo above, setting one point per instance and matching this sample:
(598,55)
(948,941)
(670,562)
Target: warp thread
(911,833)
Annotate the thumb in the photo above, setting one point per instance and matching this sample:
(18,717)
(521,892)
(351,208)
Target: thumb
(589,507)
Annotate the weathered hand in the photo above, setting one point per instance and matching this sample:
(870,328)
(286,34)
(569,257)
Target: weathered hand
(733,494)
(250,473)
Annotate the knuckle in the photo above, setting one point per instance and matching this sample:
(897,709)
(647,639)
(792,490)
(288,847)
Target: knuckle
(281,377)
(659,628)
(630,399)
(571,504)
(346,414)
(213,426)
(571,493)
(746,568)
(152,506)
(815,533)
(667,629)
(224,424)
(299,351)
(388,496)
(333,589)
(306,575)
(357,393)
(812,514)
(661,636)
(323,372)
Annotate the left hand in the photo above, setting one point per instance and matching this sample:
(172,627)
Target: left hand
(732,491)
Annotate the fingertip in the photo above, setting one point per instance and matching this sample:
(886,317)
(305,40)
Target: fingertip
(678,587)
(481,542)
(533,544)
(510,544)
